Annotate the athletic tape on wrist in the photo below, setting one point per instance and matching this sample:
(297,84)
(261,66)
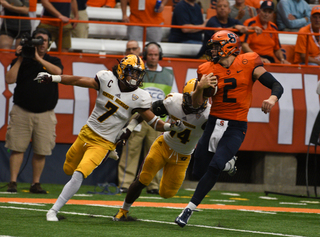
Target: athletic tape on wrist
(152,120)
(155,125)
(56,78)
(167,126)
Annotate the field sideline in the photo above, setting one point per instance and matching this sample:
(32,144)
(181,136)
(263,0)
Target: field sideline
(221,214)
(168,205)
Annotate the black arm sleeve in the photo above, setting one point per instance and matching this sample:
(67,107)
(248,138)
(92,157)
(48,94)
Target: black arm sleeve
(159,109)
(269,81)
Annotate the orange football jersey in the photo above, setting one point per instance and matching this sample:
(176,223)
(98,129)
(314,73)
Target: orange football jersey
(234,95)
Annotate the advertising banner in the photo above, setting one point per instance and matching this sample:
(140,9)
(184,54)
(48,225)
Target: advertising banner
(286,129)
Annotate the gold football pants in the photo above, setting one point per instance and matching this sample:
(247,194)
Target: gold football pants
(174,167)
(86,153)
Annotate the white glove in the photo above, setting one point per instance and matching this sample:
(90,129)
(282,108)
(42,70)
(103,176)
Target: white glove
(113,155)
(44,77)
(176,126)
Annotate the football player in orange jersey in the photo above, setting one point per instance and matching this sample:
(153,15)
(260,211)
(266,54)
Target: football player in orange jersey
(227,122)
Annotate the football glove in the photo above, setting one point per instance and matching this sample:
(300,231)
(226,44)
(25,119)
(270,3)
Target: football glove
(123,135)
(44,77)
(176,126)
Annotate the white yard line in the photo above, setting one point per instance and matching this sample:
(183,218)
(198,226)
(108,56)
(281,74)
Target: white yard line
(219,200)
(231,194)
(268,198)
(293,203)
(161,222)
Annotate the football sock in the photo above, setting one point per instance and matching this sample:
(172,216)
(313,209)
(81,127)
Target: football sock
(70,189)
(126,206)
(192,206)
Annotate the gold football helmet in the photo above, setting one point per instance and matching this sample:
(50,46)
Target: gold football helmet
(188,89)
(133,66)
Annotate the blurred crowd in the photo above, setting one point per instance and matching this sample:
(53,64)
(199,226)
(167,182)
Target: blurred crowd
(256,22)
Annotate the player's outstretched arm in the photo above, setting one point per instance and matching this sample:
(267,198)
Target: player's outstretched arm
(158,124)
(269,81)
(158,109)
(88,82)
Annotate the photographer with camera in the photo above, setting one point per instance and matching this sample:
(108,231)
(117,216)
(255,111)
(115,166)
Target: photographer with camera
(32,115)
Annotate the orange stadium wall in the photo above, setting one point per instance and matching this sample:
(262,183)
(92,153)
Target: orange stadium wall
(286,129)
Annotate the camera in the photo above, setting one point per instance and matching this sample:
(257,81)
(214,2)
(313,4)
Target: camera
(28,45)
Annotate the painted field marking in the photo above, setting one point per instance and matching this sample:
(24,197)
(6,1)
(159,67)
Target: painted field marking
(162,204)
(160,222)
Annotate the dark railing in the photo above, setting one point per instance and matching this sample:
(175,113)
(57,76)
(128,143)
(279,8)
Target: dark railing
(144,35)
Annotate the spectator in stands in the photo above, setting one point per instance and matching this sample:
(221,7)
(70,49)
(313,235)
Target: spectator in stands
(241,12)
(33,13)
(222,20)
(60,10)
(159,82)
(292,14)
(313,41)
(102,3)
(267,45)
(32,115)
(143,13)
(82,29)
(133,48)
(187,13)
(13,29)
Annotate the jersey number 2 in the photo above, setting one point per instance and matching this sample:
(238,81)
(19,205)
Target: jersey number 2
(228,87)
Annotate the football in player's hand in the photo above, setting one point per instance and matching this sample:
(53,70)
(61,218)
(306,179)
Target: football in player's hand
(210,91)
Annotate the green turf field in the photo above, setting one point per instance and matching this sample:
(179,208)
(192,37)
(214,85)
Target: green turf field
(28,219)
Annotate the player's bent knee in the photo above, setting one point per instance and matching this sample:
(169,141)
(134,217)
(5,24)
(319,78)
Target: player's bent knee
(68,170)
(167,193)
(145,178)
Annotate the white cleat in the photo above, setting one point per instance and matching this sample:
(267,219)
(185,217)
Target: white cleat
(233,169)
(52,215)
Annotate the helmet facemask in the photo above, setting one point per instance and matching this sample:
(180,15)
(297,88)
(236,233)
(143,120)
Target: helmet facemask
(188,90)
(214,51)
(135,73)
